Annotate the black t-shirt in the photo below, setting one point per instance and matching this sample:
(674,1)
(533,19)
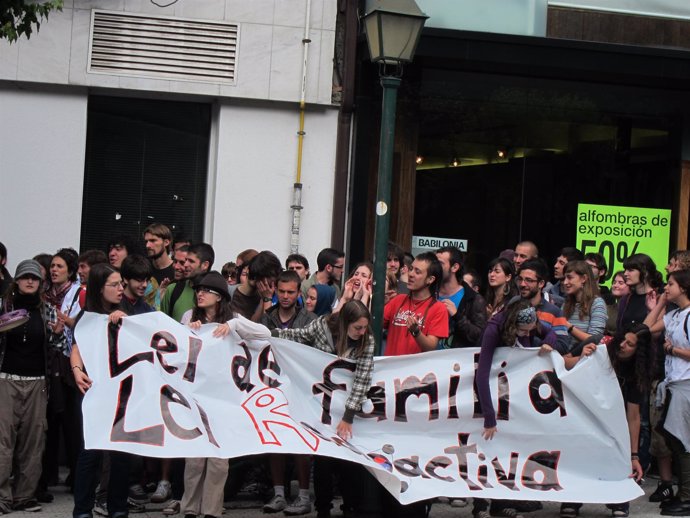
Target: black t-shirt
(25,347)
(628,384)
(243,304)
(165,273)
(635,311)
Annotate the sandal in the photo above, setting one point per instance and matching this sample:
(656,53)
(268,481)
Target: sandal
(173,507)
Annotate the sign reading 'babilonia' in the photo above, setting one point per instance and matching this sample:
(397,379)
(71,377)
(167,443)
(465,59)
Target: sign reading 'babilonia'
(161,390)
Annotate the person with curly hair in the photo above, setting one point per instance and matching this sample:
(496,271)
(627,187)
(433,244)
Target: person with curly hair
(632,361)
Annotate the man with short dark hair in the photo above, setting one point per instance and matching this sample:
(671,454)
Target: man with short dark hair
(531,279)
(466,308)
(181,239)
(330,263)
(255,294)
(416,321)
(299,264)
(86,261)
(555,293)
(288,314)
(120,247)
(136,273)
(179,260)
(179,296)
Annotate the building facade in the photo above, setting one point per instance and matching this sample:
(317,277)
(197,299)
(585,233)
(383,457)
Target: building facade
(514,113)
(119,113)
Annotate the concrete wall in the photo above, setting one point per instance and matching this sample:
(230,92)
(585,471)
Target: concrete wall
(253,189)
(42,145)
(269,59)
(44,88)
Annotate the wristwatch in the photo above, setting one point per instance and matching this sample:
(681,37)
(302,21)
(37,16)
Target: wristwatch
(267,299)
(415,332)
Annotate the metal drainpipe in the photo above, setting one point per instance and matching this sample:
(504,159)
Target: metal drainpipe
(297,187)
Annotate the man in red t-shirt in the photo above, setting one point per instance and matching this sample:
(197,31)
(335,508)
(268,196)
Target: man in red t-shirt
(416,321)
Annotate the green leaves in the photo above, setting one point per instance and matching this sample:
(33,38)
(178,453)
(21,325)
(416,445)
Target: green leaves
(18,17)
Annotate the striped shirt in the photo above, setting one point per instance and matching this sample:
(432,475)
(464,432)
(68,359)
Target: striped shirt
(593,324)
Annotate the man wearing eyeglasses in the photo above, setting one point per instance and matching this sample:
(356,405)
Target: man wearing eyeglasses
(330,263)
(530,281)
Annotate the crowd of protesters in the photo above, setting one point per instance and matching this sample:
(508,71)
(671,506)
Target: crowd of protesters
(432,302)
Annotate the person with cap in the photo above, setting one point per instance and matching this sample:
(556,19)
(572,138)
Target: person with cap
(24,354)
(204,478)
(516,326)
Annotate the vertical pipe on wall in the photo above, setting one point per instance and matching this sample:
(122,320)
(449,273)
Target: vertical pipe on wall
(297,187)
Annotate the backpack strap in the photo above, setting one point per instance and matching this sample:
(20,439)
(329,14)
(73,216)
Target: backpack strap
(177,291)
(75,299)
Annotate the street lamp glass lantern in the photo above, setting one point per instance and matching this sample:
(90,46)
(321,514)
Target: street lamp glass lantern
(393,28)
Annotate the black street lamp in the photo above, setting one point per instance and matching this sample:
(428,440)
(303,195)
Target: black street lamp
(393,28)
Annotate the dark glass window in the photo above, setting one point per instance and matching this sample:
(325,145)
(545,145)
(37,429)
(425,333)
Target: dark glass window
(146,161)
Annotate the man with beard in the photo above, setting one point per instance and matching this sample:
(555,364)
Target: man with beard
(157,238)
(179,296)
(416,321)
(531,279)
(330,263)
(179,260)
(466,308)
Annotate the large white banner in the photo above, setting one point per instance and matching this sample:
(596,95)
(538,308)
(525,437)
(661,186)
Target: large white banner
(161,390)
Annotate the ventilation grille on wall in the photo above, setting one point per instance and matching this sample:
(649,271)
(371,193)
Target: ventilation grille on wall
(162,47)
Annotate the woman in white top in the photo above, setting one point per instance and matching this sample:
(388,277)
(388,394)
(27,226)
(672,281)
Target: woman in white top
(677,382)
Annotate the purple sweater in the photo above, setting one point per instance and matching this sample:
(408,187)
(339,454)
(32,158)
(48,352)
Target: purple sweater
(490,341)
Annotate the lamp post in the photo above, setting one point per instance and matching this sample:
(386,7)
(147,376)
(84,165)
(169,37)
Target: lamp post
(393,28)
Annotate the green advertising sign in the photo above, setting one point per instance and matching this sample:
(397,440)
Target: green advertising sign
(619,232)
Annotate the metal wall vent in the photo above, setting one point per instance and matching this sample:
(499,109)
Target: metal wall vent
(163,47)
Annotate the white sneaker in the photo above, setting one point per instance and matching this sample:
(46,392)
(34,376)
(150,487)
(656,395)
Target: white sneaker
(300,505)
(275,504)
(162,493)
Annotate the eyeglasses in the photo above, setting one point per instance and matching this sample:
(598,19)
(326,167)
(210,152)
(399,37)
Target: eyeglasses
(207,290)
(339,266)
(526,280)
(119,284)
